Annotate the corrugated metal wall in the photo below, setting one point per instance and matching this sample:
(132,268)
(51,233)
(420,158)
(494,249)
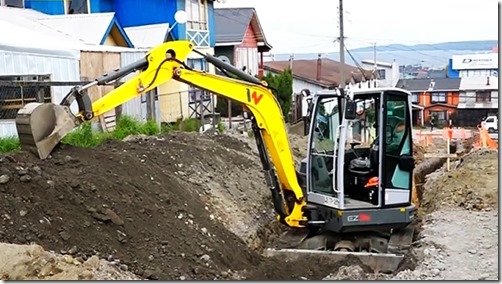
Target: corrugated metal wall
(134,107)
(61,69)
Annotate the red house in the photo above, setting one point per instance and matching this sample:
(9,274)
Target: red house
(240,39)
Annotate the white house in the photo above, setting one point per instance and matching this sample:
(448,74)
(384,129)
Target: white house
(44,53)
(478,98)
(28,55)
(314,75)
(387,73)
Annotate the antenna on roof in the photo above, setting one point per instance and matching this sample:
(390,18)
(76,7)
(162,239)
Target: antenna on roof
(431,85)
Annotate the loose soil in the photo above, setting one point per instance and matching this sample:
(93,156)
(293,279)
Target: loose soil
(469,185)
(176,207)
(182,206)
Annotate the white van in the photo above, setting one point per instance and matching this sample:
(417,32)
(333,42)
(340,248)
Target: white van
(490,123)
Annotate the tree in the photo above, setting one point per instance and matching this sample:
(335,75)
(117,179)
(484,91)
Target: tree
(222,107)
(282,87)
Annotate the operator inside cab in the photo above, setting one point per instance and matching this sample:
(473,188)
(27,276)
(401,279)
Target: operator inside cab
(396,137)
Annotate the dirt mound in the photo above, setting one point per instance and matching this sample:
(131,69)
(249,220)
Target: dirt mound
(179,207)
(472,184)
(298,144)
(32,262)
(419,152)
(115,200)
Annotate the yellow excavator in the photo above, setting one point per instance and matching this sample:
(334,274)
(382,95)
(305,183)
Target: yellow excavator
(351,194)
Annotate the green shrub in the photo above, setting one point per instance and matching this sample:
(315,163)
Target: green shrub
(84,137)
(9,144)
(220,127)
(191,125)
(127,125)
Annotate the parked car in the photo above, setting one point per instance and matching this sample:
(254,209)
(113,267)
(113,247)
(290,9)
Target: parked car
(490,123)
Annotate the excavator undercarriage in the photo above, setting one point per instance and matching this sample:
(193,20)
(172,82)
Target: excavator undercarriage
(353,201)
(383,252)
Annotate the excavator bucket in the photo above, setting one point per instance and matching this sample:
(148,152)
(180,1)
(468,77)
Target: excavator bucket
(41,126)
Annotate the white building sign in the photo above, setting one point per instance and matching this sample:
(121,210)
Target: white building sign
(475,61)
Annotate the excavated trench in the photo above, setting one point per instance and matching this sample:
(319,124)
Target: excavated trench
(422,170)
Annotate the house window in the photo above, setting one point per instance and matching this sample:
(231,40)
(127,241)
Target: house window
(381,74)
(247,60)
(439,97)
(438,115)
(14,94)
(195,94)
(77,7)
(414,98)
(483,96)
(14,3)
(197,14)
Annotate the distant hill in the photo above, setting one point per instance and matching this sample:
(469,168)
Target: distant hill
(481,45)
(431,55)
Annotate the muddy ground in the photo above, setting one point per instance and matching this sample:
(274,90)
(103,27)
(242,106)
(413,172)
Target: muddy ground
(182,206)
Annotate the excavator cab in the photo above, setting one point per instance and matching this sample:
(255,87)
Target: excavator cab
(360,163)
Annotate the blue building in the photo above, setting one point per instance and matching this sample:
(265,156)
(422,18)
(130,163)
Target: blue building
(143,24)
(135,13)
(473,65)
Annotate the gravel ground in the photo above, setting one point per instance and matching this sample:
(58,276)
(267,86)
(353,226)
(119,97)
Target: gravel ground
(459,237)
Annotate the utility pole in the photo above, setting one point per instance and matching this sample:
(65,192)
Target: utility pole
(374,64)
(342,46)
(374,55)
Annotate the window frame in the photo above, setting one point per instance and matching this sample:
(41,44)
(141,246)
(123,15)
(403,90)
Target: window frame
(443,112)
(480,99)
(67,8)
(417,96)
(380,72)
(201,21)
(23,4)
(439,97)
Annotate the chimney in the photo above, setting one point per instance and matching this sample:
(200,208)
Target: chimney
(319,63)
(488,81)
(291,58)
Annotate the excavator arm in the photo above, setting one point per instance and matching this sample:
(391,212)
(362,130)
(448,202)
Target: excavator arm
(42,126)
(270,133)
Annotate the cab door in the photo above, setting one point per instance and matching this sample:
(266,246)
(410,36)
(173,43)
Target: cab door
(396,158)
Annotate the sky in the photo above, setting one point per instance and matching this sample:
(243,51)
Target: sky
(294,26)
